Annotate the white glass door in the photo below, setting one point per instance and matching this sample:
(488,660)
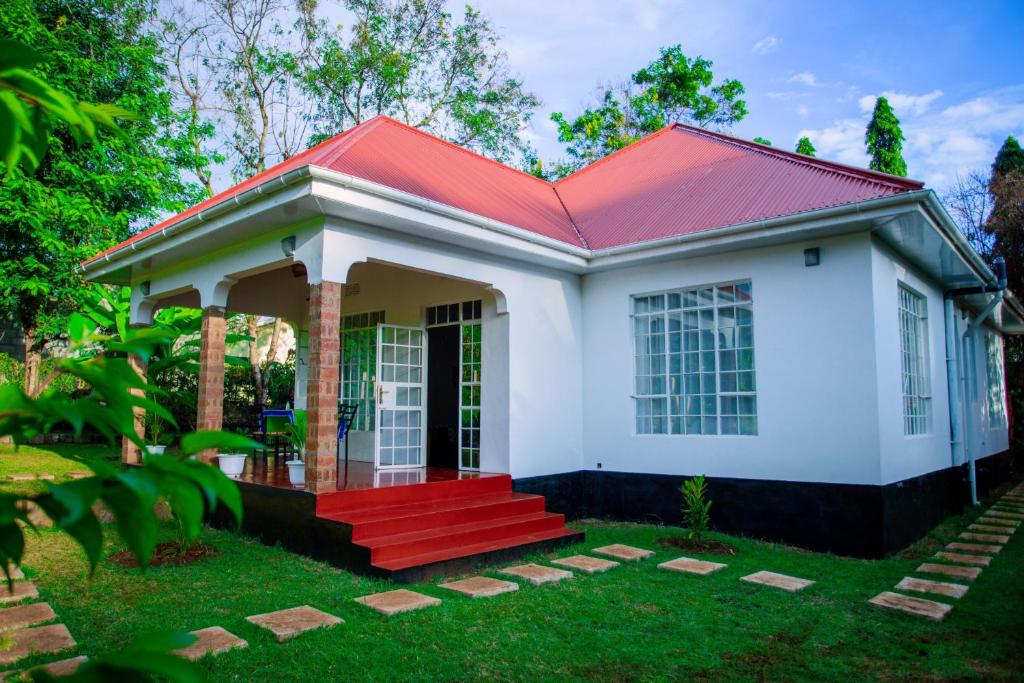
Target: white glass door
(401,427)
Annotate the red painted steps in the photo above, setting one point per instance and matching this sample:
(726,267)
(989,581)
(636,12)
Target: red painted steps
(417,528)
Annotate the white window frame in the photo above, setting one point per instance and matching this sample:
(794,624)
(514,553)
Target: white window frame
(679,417)
(915,360)
(995,381)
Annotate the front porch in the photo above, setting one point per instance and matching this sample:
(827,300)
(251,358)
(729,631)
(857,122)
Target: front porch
(406,524)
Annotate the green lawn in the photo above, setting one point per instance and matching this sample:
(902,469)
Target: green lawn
(632,623)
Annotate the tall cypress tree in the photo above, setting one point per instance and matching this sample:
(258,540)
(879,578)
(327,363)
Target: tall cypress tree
(1009,158)
(804,146)
(884,140)
(1006,222)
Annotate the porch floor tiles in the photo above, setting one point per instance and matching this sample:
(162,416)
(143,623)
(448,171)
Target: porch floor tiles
(987,538)
(481,586)
(956,546)
(288,623)
(211,641)
(989,527)
(23,590)
(950,570)
(688,565)
(394,602)
(998,520)
(786,583)
(38,640)
(929,609)
(536,574)
(585,564)
(623,552)
(26,615)
(949,590)
(978,560)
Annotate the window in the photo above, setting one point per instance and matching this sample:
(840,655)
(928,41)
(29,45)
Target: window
(996,386)
(694,361)
(914,361)
(359,366)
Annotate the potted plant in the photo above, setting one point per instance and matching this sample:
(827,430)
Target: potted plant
(297,439)
(159,440)
(231,464)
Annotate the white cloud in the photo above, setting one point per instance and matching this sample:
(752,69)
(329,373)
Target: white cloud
(902,103)
(766,45)
(805,77)
(802,111)
(842,141)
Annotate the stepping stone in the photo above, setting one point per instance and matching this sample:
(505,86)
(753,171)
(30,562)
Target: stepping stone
(79,475)
(211,641)
(288,623)
(623,552)
(536,574)
(26,615)
(36,516)
(975,547)
(929,609)
(38,640)
(31,477)
(64,667)
(688,565)
(481,586)
(1002,513)
(949,590)
(585,564)
(23,590)
(15,573)
(999,520)
(397,601)
(786,583)
(950,570)
(988,527)
(979,560)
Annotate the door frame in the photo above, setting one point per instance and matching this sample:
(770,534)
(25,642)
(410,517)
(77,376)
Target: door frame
(380,404)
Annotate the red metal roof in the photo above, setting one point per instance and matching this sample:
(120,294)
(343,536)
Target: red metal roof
(677,181)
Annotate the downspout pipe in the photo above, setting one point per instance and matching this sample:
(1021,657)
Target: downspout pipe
(956,443)
(999,289)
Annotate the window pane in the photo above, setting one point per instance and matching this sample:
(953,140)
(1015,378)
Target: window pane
(913,361)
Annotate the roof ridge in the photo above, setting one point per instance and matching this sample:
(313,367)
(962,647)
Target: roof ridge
(618,152)
(796,157)
(387,119)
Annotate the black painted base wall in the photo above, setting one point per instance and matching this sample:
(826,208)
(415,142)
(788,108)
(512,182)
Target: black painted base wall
(846,519)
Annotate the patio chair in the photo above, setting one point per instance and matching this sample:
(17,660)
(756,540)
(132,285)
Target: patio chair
(346,416)
(272,430)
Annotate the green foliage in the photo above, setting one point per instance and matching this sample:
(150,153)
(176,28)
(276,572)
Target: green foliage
(763,141)
(410,60)
(1009,158)
(673,88)
(696,507)
(805,146)
(884,140)
(64,206)
(297,433)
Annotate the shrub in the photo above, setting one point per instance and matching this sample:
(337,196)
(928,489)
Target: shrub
(696,506)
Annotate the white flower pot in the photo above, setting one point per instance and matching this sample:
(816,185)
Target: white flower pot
(296,472)
(232,464)
(155,449)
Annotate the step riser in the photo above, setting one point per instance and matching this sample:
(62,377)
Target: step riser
(394,552)
(403,495)
(479,513)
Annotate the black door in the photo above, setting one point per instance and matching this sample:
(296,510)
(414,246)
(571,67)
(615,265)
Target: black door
(443,396)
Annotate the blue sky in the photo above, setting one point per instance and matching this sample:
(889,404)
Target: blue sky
(953,71)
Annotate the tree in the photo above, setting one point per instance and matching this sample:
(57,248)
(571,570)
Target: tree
(805,146)
(884,140)
(763,141)
(410,60)
(969,204)
(1006,222)
(673,88)
(80,198)
(1009,158)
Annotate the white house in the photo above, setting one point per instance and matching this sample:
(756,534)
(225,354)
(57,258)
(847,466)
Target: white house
(819,340)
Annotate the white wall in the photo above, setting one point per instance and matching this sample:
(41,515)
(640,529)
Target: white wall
(814,361)
(981,437)
(905,456)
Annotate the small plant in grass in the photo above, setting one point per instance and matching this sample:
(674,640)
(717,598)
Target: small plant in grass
(696,507)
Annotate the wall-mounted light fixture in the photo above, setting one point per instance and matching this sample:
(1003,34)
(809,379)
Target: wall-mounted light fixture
(144,288)
(288,246)
(812,257)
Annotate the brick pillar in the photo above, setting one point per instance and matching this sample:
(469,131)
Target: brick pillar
(210,403)
(130,453)
(323,367)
